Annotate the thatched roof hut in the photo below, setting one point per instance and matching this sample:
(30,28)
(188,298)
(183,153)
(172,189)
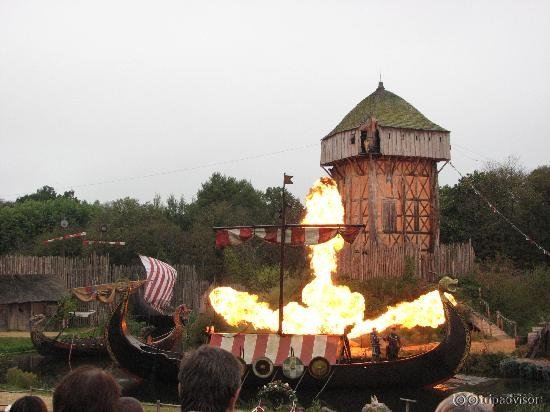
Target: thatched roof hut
(22,296)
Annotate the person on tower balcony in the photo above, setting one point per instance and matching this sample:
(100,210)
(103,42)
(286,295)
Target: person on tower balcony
(370,142)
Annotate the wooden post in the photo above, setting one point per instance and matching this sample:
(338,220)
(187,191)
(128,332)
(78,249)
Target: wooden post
(286,179)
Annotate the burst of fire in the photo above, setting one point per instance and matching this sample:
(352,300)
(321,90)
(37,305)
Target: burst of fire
(326,308)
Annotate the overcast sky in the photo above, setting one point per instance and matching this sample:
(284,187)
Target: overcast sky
(113,91)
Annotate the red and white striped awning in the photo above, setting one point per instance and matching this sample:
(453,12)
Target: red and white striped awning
(252,346)
(294,236)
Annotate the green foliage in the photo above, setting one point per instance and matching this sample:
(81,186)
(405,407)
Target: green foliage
(521,295)
(316,406)
(226,201)
(24,223)
(173,231)
(196,328)
(17,378)
(515,368)
(65,306)
(522,197)
(135,326)
(277,394)
(486,364)
(410,268)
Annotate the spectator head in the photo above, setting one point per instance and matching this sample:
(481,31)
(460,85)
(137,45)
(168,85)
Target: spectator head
(85,389)
(128,404)
(29,404)
(464,402)
(209,380)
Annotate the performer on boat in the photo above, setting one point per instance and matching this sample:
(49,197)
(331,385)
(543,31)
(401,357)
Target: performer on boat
(346,349)
(394,344)
(375,345)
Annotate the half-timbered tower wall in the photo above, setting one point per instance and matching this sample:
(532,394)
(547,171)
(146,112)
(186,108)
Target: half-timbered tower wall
(396,200)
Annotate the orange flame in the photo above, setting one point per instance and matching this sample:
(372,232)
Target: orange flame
(326,307)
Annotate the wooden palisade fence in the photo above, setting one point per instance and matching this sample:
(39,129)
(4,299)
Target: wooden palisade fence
(96,269)
(381,260)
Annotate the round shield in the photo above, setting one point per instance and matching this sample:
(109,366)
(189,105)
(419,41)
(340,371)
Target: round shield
(319,367)
(293,367)
(263,367)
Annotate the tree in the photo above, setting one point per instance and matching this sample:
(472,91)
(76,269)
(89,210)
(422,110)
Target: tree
(146,229)
(46,193)
(521,197)
(33,218)
(226,201)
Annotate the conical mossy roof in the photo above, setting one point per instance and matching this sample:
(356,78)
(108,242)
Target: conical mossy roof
(389,110)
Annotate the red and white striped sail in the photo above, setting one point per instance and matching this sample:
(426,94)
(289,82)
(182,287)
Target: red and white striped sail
(233,237)
(294,236)
(252,346)
(161,278)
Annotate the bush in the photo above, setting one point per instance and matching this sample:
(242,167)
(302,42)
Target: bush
(266,278)
(196,328)
(486,364)
(17,378)
(512,368)
(135,326)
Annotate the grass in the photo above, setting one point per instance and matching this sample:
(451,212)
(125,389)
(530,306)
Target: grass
(15,345)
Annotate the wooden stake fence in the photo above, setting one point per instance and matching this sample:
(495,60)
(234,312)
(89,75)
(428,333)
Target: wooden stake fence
(380,260)
(96,269)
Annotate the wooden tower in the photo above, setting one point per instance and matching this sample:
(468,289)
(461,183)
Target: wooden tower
(384,155)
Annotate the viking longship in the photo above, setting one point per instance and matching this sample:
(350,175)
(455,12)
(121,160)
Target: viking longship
(310,361)
(64,347)
(67,346)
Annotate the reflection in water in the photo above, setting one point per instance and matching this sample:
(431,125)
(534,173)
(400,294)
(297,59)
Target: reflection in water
(50,372)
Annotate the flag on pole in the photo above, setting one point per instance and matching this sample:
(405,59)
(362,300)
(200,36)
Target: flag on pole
(288,179)
(161,278)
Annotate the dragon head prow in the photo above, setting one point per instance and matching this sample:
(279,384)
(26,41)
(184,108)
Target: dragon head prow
(36,322)
(447,284)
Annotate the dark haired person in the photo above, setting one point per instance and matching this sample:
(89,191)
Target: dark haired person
(28,404)
(86,389)
(209,380)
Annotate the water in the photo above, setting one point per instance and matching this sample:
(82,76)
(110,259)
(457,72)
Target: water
(50,372)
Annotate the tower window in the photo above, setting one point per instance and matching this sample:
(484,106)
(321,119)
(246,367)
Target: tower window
(389,216)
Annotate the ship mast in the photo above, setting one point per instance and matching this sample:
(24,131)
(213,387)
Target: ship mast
(286,180)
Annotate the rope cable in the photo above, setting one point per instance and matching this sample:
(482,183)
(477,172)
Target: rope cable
(495,210)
